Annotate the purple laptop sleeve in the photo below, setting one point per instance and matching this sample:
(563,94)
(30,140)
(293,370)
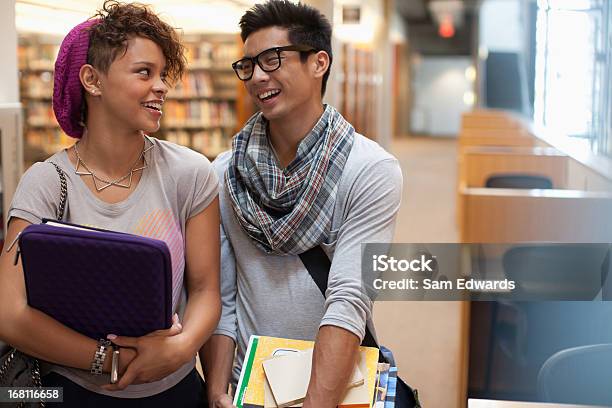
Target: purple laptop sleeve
(98,282)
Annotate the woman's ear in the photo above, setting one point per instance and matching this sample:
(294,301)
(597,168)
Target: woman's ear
(90,79)
(320,64)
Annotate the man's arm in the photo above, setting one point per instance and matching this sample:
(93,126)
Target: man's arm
(372,206)
(217,354)
(335,355)
(217,357)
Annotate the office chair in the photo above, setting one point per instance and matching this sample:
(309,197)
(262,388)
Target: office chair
(511,332)
(528,332)
(557,271)
(526,181)
(578,375)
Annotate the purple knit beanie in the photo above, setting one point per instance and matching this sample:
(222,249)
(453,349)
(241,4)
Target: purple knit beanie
(67,88)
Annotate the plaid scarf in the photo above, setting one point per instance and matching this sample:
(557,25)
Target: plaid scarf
(287,212)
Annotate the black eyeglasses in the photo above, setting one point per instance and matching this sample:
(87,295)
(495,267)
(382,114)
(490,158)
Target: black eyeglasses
(268,60)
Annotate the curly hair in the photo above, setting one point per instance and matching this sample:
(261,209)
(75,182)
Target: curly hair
(121,21)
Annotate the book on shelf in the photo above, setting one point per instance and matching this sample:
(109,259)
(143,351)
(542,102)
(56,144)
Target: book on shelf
(208,142)
(253,385)
(198,113)
(40,114)
(193,84)
(211,54)
(37,85)
(37,56)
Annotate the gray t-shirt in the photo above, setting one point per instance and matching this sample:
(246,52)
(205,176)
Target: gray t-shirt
(177,184)
(275,295)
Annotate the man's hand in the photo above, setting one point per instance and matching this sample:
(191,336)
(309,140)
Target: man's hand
(217,357)
(155,358)
(222,401)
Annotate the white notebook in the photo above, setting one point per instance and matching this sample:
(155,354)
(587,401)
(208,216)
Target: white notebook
(289,375)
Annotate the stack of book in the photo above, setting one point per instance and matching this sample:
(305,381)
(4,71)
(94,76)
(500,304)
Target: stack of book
(193,84)
(198,114)
(276,373)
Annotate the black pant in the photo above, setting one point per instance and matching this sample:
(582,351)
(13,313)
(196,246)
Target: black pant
(189,393)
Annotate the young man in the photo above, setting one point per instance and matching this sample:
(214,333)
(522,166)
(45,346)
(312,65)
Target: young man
(298,177)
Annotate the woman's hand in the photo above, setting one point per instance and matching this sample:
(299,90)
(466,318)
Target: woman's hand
(158,354)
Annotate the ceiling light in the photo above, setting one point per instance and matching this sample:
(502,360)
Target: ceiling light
(446,28)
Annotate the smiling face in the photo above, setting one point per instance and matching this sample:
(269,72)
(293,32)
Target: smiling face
(289,91)
(134,88)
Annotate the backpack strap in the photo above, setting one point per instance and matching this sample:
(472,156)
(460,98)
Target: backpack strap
(318,265)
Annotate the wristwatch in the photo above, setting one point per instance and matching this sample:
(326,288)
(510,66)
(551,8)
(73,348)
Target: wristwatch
(98,361)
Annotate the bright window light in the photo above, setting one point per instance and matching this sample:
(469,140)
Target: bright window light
(566,54)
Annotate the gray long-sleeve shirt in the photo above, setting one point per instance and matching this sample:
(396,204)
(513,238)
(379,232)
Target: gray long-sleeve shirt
(274,295)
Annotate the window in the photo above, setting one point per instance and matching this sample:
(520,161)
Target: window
(572,89)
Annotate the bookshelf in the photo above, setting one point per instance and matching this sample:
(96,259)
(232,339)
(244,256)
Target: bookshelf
(42,134)
(203,111)
(358,89)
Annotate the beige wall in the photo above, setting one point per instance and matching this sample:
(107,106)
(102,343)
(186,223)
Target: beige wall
(9,85)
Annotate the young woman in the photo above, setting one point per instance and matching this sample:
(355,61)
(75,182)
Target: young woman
(111,79)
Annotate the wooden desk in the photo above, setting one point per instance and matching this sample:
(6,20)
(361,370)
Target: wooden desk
(496,215)
(490,119)
(477,164)
(496,137)
(479,403)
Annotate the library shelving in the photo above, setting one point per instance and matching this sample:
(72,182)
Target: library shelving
(358,88)
(203,111)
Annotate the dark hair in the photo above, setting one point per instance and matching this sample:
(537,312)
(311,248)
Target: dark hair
(305,24)
(119,22)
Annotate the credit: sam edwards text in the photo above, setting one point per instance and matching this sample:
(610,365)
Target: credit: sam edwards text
(432,284)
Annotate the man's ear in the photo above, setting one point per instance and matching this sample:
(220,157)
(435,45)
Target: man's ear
(90,79)
(320,64)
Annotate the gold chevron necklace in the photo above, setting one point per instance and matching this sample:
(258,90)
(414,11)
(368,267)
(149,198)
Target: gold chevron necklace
(123,182)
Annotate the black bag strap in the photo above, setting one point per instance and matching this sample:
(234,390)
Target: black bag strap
(318,265)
